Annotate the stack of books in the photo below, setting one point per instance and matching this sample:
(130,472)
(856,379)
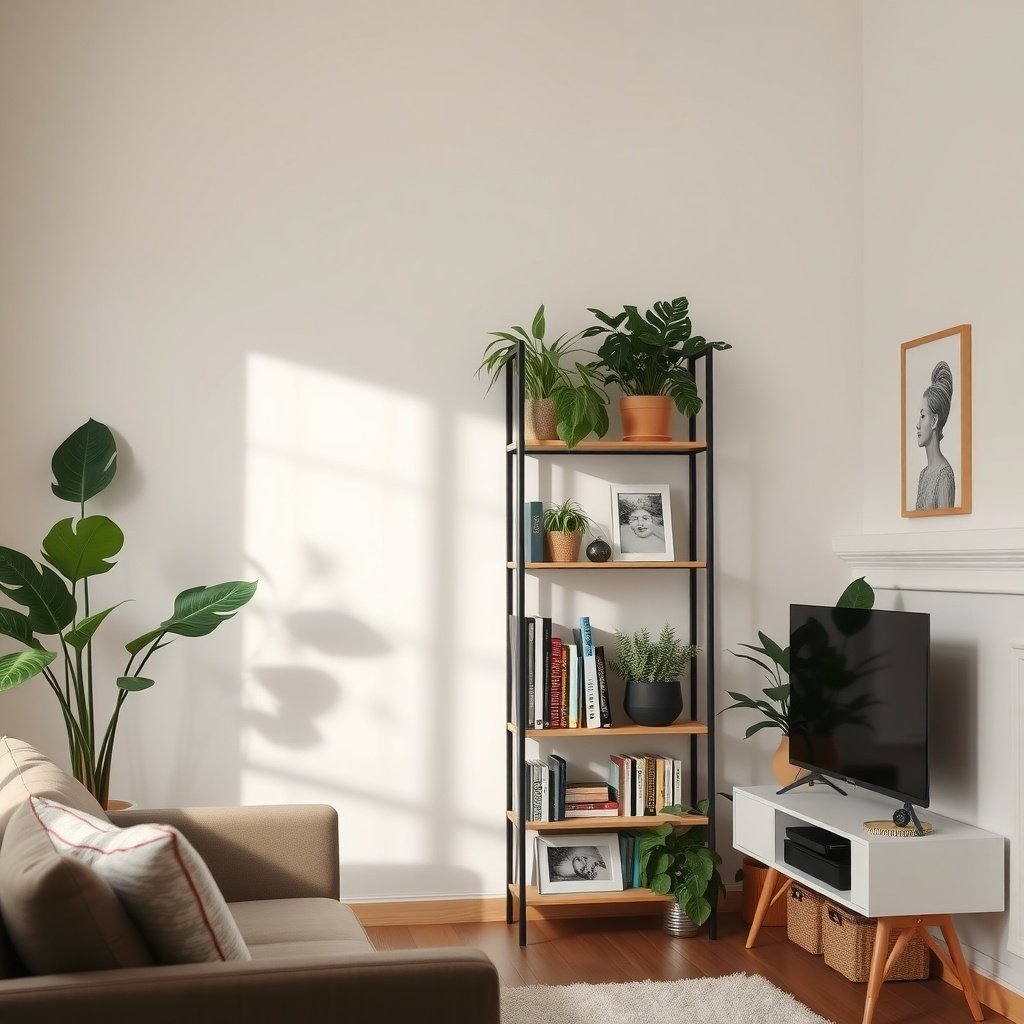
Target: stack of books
(644,783)
(587,800)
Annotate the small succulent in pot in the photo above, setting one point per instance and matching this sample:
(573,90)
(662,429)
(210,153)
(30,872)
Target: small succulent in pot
(564,527)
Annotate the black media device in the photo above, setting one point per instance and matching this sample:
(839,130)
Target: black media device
(819,853)
(858,700)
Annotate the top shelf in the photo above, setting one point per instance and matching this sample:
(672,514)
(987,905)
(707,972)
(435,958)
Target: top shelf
(612,447)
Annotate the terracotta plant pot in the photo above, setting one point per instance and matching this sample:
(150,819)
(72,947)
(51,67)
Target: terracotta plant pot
(540,420)
(754,875)
(653,704)
(782,771)
(646,417)
(563,547)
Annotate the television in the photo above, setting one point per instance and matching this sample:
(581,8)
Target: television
(858,699)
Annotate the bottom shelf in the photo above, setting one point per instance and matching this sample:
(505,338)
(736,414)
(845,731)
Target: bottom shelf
(576,899)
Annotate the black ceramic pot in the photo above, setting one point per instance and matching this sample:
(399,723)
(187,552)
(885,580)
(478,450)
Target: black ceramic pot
(653,704)
(599,551)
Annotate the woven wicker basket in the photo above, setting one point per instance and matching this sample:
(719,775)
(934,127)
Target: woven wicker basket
(755,874)
(804,924)
(849,941)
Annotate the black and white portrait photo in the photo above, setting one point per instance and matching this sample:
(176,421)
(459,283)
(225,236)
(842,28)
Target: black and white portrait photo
(579,863)
(936,417)
(641,523)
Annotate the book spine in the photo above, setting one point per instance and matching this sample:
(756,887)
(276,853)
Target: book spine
(650,774)
(563,707)
(639,769)
(678,773)
(545,670)
(659,784)
(594,805)
(533,531)
(617,777)
(555,707)
(535,792)
(574,812)
(538,672)
(531,669)
(590,698)
(603,703)
(558,768)
(576,681)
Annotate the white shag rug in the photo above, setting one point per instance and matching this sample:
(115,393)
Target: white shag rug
(734,999)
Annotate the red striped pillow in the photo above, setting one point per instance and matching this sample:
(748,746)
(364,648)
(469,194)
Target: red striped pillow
(159,878)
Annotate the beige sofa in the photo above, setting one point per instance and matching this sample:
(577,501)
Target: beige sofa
(278,868)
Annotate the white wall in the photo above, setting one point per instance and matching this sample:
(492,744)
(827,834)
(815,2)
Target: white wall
(943,162)
(238,232)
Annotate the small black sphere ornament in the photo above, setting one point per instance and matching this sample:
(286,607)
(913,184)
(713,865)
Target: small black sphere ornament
(599,551)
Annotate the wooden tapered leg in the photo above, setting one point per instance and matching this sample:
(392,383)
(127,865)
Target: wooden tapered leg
(877,975)
(775,886)
(963,972)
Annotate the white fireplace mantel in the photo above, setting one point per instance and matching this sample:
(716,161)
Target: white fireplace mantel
(972,561)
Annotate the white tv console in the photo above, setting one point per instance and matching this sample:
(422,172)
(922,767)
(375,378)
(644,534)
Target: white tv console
(908,883)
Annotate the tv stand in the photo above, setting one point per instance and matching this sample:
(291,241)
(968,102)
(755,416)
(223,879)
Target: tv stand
(908,886)
(809,780)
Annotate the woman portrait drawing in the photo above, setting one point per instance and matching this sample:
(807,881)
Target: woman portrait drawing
(936,405)
(641,523)
(936,486)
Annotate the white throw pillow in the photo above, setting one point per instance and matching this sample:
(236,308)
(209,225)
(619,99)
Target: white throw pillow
(159,878)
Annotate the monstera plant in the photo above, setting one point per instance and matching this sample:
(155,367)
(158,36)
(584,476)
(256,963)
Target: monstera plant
(59,627)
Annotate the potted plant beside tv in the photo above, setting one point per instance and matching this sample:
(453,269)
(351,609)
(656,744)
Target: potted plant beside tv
(651,669)
(59,610)
(559,401)
(645,354)
(676,861)
(773,706)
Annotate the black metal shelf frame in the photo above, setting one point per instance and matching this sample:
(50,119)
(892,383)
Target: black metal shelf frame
(515,587)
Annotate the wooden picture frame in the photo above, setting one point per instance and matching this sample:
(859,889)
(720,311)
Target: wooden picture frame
(935,423)
(641,523)
(581,862)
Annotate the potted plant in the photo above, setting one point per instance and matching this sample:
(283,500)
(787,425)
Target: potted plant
(651,670)
(645,354)
(564,527)
(58,603)
(773,706)
(676,860)
(559,402)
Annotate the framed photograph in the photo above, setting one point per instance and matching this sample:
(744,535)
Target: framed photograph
(641,523)
(587,862)
(935,423)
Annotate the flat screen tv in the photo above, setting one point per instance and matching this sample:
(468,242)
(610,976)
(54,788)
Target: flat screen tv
(858,701)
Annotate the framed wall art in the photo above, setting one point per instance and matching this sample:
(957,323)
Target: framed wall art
(935,423)
(586,862)
(641,523)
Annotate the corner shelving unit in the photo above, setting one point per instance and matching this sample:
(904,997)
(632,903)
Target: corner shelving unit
(696,733)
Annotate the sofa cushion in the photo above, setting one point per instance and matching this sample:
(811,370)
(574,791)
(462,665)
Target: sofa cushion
(158,877)
(60,914)
(24,771)
(299,927)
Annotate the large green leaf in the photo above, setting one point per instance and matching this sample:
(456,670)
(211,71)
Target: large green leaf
(83,632)
(85,463)
(134,683)
(199,611)
(50,604)
(16,668)
(858,594)
(18,627)
(83,551)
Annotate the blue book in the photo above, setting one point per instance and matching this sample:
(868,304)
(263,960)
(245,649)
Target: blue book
(589,691)
(533,531)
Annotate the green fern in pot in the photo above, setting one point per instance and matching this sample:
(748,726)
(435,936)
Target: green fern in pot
(651,669)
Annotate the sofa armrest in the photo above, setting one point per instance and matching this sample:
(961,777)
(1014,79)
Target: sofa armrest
(448,986)
(273,851)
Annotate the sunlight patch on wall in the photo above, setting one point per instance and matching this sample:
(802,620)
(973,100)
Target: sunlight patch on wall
(340,530)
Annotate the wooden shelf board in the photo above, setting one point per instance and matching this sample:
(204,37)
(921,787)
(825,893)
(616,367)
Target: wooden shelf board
(600,447)
(566,899)
(606,822)
(679,729)
(536,566)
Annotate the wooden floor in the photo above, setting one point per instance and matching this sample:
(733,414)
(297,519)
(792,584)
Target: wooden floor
(631,949)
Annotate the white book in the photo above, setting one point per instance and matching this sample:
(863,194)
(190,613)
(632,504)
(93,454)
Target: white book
(678,773)
(570,651)
(538,672)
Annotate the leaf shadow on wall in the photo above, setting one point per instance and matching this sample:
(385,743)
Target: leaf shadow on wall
(299,694)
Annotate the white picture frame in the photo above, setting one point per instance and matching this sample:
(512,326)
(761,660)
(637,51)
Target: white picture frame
(579,862)
(641,523)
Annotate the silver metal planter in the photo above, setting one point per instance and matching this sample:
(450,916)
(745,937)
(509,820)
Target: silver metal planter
(677,923)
